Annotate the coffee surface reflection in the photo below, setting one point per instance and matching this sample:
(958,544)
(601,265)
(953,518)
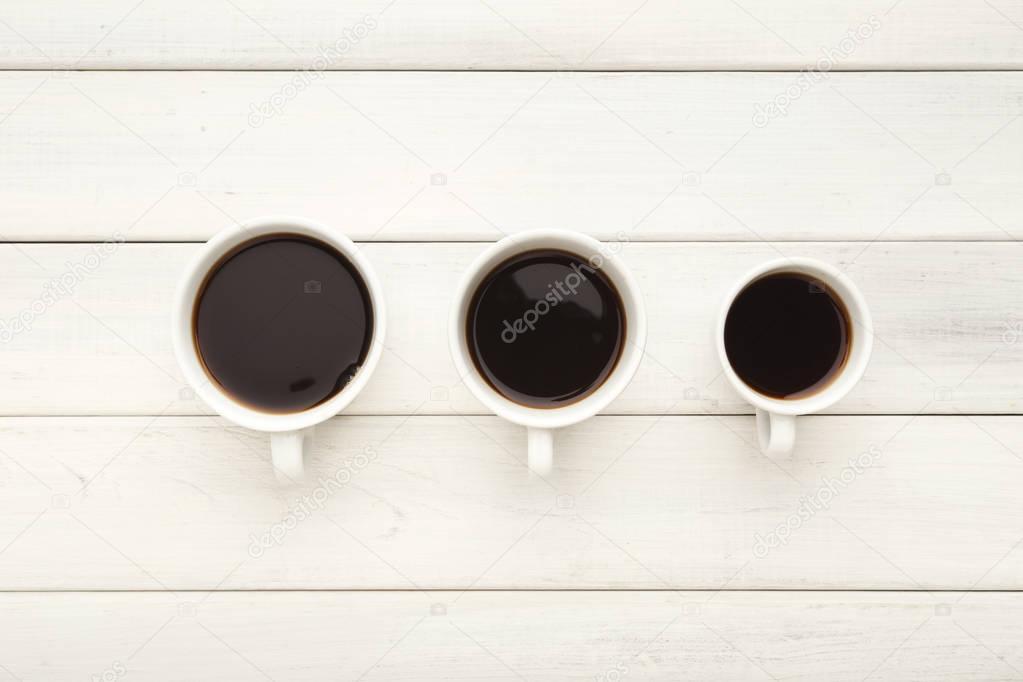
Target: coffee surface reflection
(545,328)
(787,335)
(283,323)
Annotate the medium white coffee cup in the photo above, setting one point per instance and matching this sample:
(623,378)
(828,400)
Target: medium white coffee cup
(290,433)
(541,422)
(776,417)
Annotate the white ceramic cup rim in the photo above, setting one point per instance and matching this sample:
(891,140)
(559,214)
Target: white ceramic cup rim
(206,387)
(632,347)
(859,350)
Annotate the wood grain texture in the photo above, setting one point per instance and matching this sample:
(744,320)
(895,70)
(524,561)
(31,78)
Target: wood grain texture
(472,156)
(425,503)
(946,316)
(505,34)
(154,546)
(502,636)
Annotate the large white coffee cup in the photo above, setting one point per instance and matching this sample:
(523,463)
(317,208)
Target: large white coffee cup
(541,422)
(776,417)
(290,433)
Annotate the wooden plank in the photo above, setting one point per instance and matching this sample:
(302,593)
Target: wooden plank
(505,636)
(190,503)
(501,34)
(470,156)
(947,321)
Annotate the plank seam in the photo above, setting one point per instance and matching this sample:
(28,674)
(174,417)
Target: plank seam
(512,590)
(1011,68)
(652,242)
(455,415)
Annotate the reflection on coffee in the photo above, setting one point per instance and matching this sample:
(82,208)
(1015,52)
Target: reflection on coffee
(787,335)
(283,323)
(545,328)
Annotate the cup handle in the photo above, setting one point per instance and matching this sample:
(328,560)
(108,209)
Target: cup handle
(286,451)
(776,432)
(540,449)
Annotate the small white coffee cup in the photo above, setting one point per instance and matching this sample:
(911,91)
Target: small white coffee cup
(776,418)
(289,432)
(541,422)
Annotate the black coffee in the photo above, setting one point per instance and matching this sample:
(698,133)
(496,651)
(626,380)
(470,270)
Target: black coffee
(787,335)
(283,323)
(545,328)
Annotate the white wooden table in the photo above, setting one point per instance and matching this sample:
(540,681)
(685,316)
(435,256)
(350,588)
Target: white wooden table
(143,538)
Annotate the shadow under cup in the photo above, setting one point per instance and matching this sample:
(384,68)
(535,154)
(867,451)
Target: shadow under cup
(282,323)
